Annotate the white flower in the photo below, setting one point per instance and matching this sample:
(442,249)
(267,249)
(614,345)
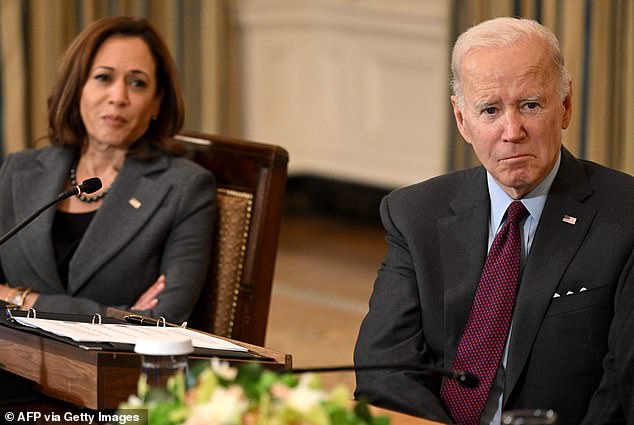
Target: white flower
(276,399)
(226,407)
(305,396)
(134,402)
(223,369)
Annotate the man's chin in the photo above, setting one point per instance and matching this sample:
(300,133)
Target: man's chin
(518,184)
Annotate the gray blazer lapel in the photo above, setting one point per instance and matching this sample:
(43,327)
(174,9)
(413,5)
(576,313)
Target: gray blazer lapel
(117,220)
(463,247)
(35,187)
(554,247)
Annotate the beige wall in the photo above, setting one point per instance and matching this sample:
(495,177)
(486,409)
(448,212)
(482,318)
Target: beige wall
(346,126)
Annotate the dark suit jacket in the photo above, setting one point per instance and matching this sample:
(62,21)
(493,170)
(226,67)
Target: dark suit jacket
(437,234)
(613,402)
(124,249)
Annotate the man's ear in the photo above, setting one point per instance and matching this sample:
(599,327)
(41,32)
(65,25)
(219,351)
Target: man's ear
(457,113)
(567,104)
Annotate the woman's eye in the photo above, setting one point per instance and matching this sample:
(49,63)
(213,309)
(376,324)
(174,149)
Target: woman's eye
(102,77)
(138,83)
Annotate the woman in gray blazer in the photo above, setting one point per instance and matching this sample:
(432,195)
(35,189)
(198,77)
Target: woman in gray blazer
(143,241)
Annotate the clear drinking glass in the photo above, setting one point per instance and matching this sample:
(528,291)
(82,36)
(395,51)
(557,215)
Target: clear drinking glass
(162,360)
(529,417)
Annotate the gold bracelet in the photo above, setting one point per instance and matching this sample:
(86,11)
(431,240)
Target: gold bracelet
(20,297)
(25,294)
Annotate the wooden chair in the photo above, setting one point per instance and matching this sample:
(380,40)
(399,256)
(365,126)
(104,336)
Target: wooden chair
(251,186)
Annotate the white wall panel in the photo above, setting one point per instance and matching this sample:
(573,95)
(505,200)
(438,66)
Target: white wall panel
(354,90)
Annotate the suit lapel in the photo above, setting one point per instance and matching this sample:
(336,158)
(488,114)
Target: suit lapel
(463,241)
(118,220)
(33,188)
(554,246)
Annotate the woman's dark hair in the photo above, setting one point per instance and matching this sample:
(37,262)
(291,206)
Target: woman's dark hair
(65,126)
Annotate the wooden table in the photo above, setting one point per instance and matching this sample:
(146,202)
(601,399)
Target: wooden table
(100,380)
(397,418)
(96,379)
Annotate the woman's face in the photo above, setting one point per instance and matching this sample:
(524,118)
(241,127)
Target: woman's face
(120,96)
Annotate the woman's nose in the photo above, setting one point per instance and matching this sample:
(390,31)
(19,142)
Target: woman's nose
(119,93)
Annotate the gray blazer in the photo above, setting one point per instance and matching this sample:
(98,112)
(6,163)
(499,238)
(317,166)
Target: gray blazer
(437,237)
(125,248)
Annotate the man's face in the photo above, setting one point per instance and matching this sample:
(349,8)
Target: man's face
(513,113)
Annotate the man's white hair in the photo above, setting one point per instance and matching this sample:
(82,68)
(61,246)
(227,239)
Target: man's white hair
(503,32)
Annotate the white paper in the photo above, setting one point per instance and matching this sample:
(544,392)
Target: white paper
(121,333)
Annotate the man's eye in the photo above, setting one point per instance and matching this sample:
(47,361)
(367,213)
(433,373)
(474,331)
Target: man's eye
(490,110)
(531,105)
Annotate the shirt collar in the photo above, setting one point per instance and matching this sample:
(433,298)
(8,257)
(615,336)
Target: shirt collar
(534,201)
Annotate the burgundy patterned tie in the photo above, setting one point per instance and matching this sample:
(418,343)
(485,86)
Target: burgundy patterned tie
(480,348)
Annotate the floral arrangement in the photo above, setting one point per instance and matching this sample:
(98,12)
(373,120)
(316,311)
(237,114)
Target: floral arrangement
(215,393)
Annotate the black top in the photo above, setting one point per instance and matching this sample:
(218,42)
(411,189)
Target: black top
(68,229)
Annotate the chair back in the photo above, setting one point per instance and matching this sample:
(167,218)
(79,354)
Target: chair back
(251,180)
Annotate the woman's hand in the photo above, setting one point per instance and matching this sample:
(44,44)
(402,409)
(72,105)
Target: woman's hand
(148,300)
(6,292)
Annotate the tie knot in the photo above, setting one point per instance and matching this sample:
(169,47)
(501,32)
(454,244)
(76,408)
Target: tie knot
(516,212)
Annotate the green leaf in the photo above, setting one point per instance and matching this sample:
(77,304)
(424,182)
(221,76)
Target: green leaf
(176,386)
(289,379)
(160,413)
(248,378)
(207,384)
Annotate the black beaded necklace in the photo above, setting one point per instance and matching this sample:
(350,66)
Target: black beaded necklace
(73,181)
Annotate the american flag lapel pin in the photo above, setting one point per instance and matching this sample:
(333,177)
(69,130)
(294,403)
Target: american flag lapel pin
(569,219)
(135,203)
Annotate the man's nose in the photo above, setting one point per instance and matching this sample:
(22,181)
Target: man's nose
(513,129)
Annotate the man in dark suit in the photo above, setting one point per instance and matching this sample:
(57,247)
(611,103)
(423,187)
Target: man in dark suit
(511,101)
(613,402)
